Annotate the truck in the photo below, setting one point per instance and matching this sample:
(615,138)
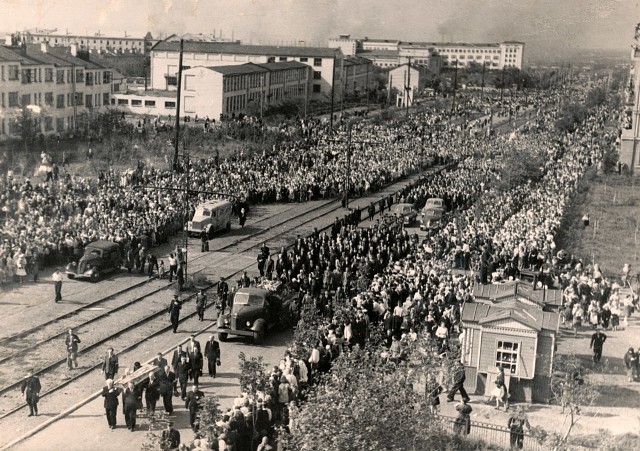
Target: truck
(100,257)
(254,311)
(210,217)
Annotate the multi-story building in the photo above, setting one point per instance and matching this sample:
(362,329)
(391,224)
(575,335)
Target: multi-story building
(58,89)
(324,62)
(389,53)
(227,91)
(629,148)
(348,45)
(116,42)
(407,81)
(357,76)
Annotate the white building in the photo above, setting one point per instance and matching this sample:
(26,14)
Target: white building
(112,42)
(380,44)
(231,90)
(494,56)
(324,62)
(407,81)
(348,45)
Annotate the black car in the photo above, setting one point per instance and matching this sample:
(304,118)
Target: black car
(253,312)
(100,257)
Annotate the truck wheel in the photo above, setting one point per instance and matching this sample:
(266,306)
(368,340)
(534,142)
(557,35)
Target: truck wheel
(258,337)
(71,276)
(95,277)
(222,336)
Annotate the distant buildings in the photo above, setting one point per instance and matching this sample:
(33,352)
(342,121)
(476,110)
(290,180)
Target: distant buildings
(59,89)
(407,81)
(119,42)
(389,53)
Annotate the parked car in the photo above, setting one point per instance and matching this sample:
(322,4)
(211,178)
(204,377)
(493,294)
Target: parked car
(404,211)
(100,258)
(431,218)
(210,217)
(255,311)
(434,203)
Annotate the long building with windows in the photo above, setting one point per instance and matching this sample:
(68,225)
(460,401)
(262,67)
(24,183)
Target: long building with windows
(111,42)
(325,63)
(59,90)
(227,91)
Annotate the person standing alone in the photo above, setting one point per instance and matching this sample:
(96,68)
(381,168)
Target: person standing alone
(212,353)
(174,312)
(110,365)
(30,388)
(72,341)
(597,341)
(57,284)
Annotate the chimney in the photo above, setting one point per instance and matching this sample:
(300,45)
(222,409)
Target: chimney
(43,47)
(23,48)
(7,40)
(73,49)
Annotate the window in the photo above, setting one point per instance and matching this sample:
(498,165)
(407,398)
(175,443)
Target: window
(317,75)
(89,100)
(60,101)
(507,356)
(283,58)
(13,99)
(89,78)
(48,123)
(316,88)
(28,76)
(123,101)
(304,59)
(60,76)
(48,98)
(317,62)
(172,80)
(150,103)
(79,76)
(271,59)
(106,77)
(60,124)
(14,72)
(105,98)
(136,102)
(169,104)
(80,99)
(48,75)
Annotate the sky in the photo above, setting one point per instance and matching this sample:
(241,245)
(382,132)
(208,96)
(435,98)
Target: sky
(548,27)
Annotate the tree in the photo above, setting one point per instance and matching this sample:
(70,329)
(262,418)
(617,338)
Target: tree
(253,374)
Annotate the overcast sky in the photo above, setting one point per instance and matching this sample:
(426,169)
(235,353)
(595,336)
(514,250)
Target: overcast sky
(546,26)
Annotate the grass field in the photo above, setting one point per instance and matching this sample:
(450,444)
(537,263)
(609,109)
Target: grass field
(612,237)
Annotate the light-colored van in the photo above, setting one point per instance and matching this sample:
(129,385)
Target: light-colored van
(211,217)
(431,217)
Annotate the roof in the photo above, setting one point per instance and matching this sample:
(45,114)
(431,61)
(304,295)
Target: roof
(250,68)
(105,35)
(213,203)
(65,54)
(355,60)
(497,292)
(283,65)
(389,41)
(6,54)
(418,67)
(34,52)
(379,53)
(242,49)
(102,244)
(473,312)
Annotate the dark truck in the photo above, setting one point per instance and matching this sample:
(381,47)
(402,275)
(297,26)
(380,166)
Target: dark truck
(255,311)
(100,257)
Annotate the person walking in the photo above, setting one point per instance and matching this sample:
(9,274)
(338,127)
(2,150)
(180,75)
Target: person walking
(516,425)
(597,342)
(223,292)
(167,388)
(173,267)
(110,365)
(201,304)
(242,217)
(631,361)
(462,425)
(57,284)
(152,393)
(204,242)
(196,359)
(183,369)
(192,403)
(110,395)
(131,402)
(174,312)
(71,341)
(30,389)
(212,353)
(153,264)
(180,277)
(458,384)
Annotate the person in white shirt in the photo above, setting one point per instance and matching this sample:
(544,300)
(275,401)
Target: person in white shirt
(57,278)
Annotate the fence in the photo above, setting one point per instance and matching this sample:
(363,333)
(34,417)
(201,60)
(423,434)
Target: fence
(491,434)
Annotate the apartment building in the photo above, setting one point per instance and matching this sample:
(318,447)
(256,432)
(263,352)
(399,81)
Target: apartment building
(357,76)
(59,89)
(324,62)
(112,42)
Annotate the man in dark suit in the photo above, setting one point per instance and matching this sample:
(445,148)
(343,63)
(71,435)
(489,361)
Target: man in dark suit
(30,388)
(110,395)
(110,365)
(152,392)
(160,361)
(182,373)
(223,292)
(167,388)
(177,355)
(212,353)
(170,438)
(132,401)
(191,347)
(191,403)
(174,312)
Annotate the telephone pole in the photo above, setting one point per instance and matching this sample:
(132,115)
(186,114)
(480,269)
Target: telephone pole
(177,144)
(455,83)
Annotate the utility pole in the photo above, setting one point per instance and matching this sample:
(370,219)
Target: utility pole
(455,83)
(407,89)
(175,155)
(367,87)
(333,84)
(482,84)
(343,84)
(502,85)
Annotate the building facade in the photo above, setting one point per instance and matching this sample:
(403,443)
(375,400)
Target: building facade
(324,62)
(348,45)
(227,91)
(356,76)
(630,138)
(97,43)
(407,81)
(59,90)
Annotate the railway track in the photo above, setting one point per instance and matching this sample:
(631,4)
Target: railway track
(48,355)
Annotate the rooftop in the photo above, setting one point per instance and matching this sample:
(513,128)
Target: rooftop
(473,312)
(250,68)
(241,49)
